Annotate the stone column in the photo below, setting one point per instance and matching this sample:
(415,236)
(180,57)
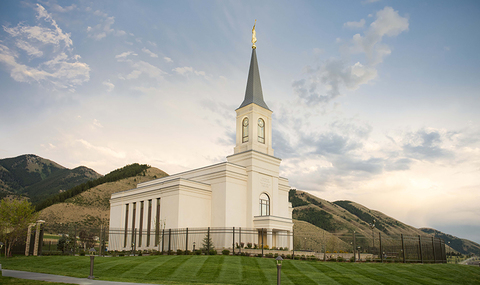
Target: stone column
(37,237)
(29,234)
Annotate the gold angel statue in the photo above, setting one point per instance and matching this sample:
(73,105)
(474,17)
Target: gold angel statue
(254,36)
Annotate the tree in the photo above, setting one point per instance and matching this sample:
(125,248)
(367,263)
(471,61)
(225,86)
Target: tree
(207,243)
(15,216)
(66,243)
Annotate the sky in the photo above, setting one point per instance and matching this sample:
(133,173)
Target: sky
(373,101)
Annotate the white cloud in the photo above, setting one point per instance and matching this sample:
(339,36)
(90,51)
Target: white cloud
(58,8)
(356,25)
(97,124)
(152,43)
(101,150)
(110,86)
(125,54)
(142,67)
(387,23)
(31,50)
(104,28)
(167,59)
(59,68)
(188,69)
(147,51)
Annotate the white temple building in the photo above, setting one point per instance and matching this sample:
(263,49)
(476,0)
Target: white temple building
(244,192)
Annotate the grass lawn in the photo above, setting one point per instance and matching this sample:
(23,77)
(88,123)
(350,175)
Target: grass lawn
(242,270)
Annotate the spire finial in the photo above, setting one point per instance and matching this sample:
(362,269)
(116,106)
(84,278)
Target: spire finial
(254,36)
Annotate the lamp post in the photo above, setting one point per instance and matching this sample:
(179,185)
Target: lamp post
(193,247)
(92,252)
(279,260)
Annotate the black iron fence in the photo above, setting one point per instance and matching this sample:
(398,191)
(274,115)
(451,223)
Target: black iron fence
(71,239)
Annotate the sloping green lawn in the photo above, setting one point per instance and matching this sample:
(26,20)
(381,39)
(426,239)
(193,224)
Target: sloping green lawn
(243,270)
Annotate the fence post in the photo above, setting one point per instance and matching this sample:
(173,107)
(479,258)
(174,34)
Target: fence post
(433,249)
(381,248)
(240,239)
(262,241)
(403,249)
(163,241)
(169,240)
(354,247)
(186,242)
(293,243)
(233,244)
(420,244)
(75,241)
(134,240)
(208,240)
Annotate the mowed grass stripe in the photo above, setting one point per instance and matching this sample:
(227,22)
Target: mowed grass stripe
(211,269)
(432,272)
(298,275)
(401,272)
(340,273)
(251,273)
(188,271)
(138,271)
(374,274)
(169,267)
(232,269)
(268,267)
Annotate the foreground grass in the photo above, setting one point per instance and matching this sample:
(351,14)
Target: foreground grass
(243,270)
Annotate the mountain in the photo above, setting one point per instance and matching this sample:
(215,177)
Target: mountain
(38,178)
(344,217)
(463,246)
(92,207)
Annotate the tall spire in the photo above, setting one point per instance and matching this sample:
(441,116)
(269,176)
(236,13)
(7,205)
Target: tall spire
(253,93)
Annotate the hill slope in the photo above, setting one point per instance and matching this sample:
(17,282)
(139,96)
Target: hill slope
(344,217)
(38,178)
(464,246)
(92,207)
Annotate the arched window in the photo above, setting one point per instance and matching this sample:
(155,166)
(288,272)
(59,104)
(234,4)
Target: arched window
(264,205)
(245,130)
(261,131)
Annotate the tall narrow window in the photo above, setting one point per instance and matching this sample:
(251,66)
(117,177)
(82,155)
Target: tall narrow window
(264,205)
(157,223)
(126,226)
(140,226)
(245,130)
(149,221)
(261,131)
(134,211)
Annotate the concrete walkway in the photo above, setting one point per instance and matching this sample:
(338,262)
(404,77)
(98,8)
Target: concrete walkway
(58,278)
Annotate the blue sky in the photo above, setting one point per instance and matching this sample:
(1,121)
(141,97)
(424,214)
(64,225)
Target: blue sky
(374,101)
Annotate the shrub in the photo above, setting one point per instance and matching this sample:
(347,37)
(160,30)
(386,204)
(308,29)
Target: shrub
(242,244)
(274,248)
(82,253)
(259,255)
(243,254)
(269,255)
(121,254)
(352,259)
(179,252)
(255,246)
(285,248)
(140,253)
(288,256)
(187,252)
(340,259)
(249,245)
(212,252)
(198,252)
(226,252)
(297,257)
(236,245)
(265,246)
(280,248)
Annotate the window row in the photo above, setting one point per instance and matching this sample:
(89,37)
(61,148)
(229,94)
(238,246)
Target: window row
(261,130)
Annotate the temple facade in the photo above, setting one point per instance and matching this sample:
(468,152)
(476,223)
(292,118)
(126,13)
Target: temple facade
(244,192)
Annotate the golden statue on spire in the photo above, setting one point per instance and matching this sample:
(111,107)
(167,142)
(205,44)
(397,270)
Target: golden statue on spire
(254,36)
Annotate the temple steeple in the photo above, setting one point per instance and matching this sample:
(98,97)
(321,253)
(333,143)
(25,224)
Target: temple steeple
(253,93)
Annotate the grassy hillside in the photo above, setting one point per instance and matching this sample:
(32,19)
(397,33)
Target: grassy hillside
(464,246)
(344,217)
(92,207)
(38,178)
